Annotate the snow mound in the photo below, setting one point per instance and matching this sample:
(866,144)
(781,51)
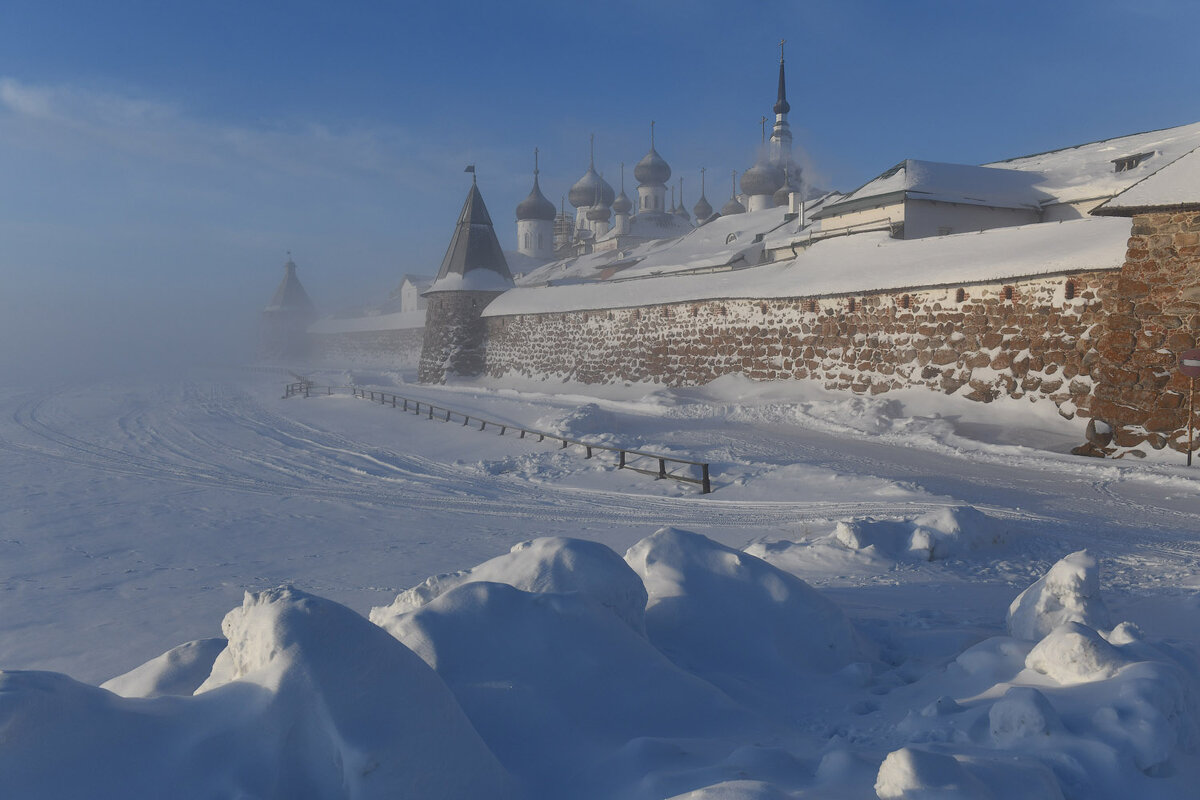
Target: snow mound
(911,774)
(588,420)
(180,670)
(550,564)
(1023,713)
(557,684)
(1074,653)
(736,619)
(942,533)
(1069,592)
(308,700)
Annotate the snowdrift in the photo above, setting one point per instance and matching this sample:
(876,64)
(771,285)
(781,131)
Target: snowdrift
(562,670)
(308,699)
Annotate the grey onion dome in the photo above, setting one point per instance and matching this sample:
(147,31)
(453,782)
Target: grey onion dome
(622,205)
(591,186)
(536,206)
(598,214)
(732,207)
(681,212)
(762,178)
(702,209)
(783,196)
(652,170)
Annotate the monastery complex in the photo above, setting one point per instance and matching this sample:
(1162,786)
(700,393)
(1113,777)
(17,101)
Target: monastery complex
(1069,277)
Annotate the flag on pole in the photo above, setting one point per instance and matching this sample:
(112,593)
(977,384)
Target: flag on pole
(470,168)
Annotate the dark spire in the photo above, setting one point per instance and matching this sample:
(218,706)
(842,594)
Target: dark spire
(535,206)
(781,104)
(474,244)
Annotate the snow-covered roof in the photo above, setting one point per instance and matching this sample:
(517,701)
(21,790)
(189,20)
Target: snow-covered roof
(724,241)
(857,264)
(949,183)
(1089,171)
(397,320)
(1175,185)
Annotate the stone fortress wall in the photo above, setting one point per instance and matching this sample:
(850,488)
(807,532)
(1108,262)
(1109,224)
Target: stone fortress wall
(1102,344)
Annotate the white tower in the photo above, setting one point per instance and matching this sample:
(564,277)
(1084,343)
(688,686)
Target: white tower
(535,221)
(652,174)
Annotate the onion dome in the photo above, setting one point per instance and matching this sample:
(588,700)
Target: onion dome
(589,188)
(536,206)
(702,209)
(652,170)
(732,207)
(622,205)
(598,213)
(783,195)
(762,178)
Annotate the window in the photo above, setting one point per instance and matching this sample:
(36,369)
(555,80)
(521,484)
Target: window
(812,306)
(960,295)
(1126,163)
(1008,293)
(1069,290)
(851,305)
(904,301)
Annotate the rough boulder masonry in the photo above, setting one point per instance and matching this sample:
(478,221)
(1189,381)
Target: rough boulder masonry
(1009,279)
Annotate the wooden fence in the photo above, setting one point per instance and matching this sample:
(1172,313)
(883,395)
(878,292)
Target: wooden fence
(627,458)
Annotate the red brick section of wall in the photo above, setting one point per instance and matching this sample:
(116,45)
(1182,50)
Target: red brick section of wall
(1020,339)
(1155,309)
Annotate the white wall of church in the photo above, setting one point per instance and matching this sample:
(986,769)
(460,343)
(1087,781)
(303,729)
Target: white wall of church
(535,237)
(928,218)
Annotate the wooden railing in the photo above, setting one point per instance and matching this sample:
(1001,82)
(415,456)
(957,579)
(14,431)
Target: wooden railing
(627,458)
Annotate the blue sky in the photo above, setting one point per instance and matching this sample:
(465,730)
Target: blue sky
(157,160)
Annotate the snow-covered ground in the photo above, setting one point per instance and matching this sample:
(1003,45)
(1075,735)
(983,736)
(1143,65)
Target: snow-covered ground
(882,597)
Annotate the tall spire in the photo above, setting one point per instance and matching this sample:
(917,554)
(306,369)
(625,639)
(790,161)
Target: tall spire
(781,104)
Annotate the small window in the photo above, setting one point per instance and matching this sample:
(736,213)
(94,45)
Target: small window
(960,295)
(1069,290)
(1008,293)
(850,304)
(762,307)
(904,301)
(812,306)
(1126,163)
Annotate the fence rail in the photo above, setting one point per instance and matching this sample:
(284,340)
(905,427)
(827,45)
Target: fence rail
(627,458)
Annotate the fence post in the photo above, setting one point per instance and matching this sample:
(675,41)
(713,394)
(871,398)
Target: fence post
(466,420)
(431,412)
(502,429)
(406,404)
(482,424)
(522,436)
(705,486)
(662,468)
(564,441)
(447,415)
(588,448)
(621,460)
(393,401)
(329,390)
(306,390)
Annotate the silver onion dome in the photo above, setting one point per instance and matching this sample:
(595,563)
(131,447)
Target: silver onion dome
(763,178)
(590,187)
(652,170)
(536,206)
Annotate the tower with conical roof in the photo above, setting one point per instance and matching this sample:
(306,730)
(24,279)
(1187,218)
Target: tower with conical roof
(652,174)
(473,273)
(284,330)
(535,221)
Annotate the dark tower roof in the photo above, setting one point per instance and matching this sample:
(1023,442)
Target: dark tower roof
(474,245)
(290,296)
(781,104)
(536,206)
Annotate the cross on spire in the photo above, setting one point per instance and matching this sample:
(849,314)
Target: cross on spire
(651,134)
(763,123)
(592,150)
(535,161)
(781,43)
